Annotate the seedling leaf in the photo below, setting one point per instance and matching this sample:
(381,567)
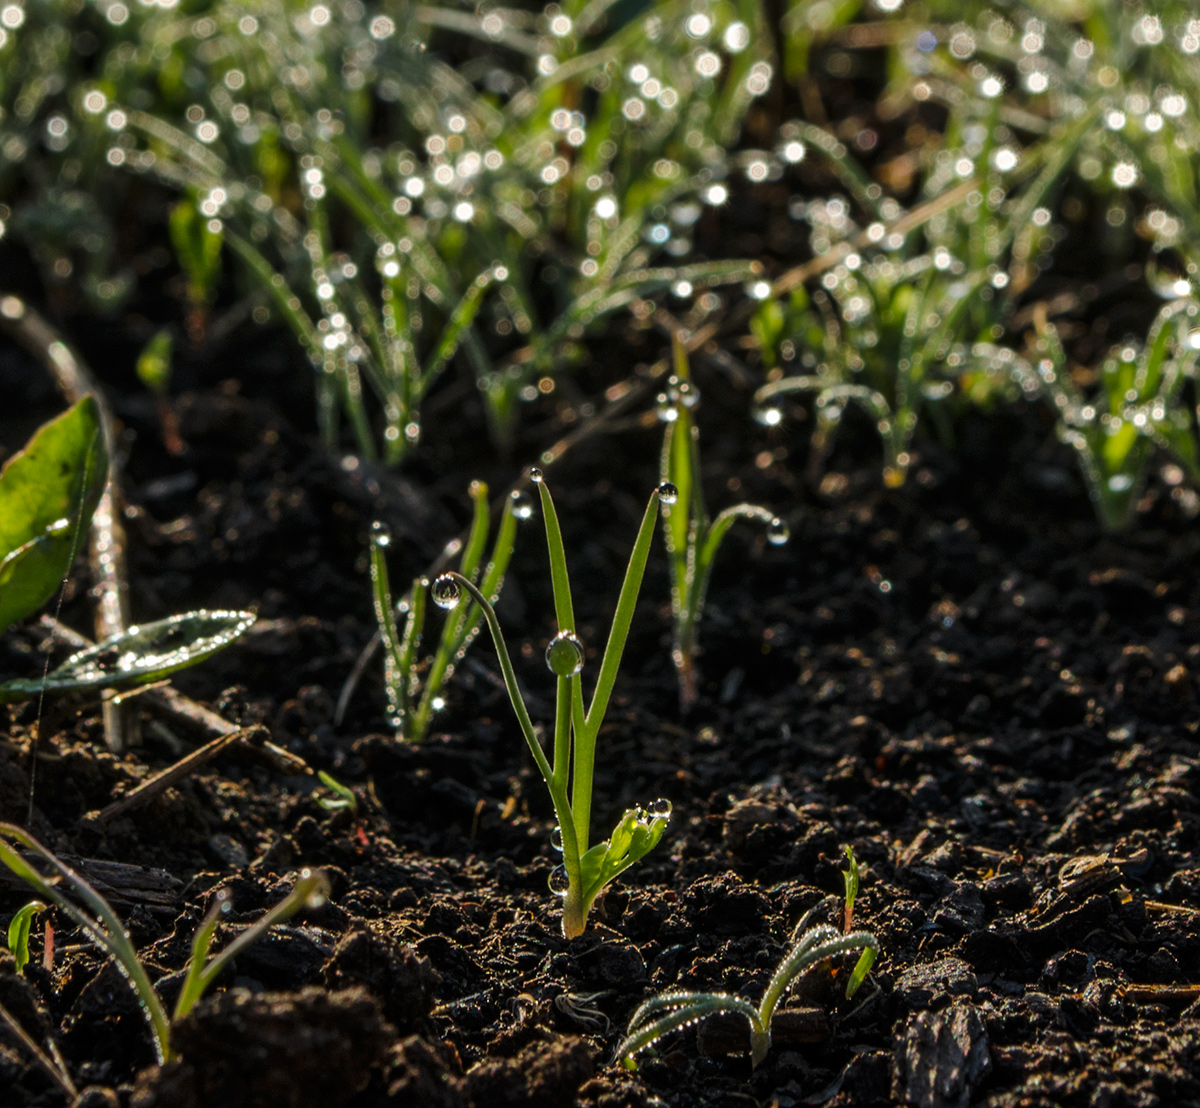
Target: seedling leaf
(18,932)
(48,492)
(138,656)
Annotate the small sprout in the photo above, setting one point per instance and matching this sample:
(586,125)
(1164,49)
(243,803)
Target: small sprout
(344,798)
(18,932)
(692,538)
(103,926)
(811,945)
(585,870)
(413,699)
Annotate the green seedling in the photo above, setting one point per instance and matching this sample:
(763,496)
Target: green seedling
(154,371)
(811,944)
(585,870)
(18,932)
(1114,432)
(343,799)
(197,242)
(103,927)
(138,656)
(48,492)
(692,538)
(412,702)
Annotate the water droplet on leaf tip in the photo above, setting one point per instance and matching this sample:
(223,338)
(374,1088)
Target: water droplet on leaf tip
(536,475)
(564,654)
(559,881)
(778,532)
(667,493)
(447,592)
(381,533)
(660,808)
(556,839)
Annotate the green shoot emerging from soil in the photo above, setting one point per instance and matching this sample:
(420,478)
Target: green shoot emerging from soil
(585,869)
(101,924)
(692,537)
(412,704)
(18,932)
(811,944)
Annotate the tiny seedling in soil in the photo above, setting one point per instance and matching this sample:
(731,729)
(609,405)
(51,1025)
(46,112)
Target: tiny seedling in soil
(411,703)
(811,945)
(692,537)
(102,925)
(18,932)
(585,870)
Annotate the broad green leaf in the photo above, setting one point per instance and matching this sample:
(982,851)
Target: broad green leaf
(48,492)
(139,655)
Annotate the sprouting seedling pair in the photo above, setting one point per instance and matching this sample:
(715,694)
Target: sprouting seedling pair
(411,702)
(692,537)
(585,870)
(811,944)
(103,927)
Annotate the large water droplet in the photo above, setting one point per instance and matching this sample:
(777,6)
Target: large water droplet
(660,808)
(522,506)
(447,592)
(665,408)
(381,534)
(778,532)
(564,654)
(558,881)
(536,475)
(667,493)
(556,840)
(1120,482)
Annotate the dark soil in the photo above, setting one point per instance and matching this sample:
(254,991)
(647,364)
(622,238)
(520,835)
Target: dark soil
(991,701)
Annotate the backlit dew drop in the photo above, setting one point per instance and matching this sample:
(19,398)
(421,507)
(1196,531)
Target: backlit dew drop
(660,808)
(447,592)
(777,532)
(564,654)
(556,840)
(667,493)
(558,881)
(665,408)
(522,506)
(536,475)
(381,534)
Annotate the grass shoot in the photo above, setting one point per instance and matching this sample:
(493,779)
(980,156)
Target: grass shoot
(586,869)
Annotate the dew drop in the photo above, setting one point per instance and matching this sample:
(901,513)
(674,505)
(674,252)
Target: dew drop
(447,592)
(564,654)
(665,408)
(688,394)
(522,506)
(559,881)
(536,475)
(667,493)
(778,532)
(381,534)
(660,808)
(556,839)
(1121,482)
